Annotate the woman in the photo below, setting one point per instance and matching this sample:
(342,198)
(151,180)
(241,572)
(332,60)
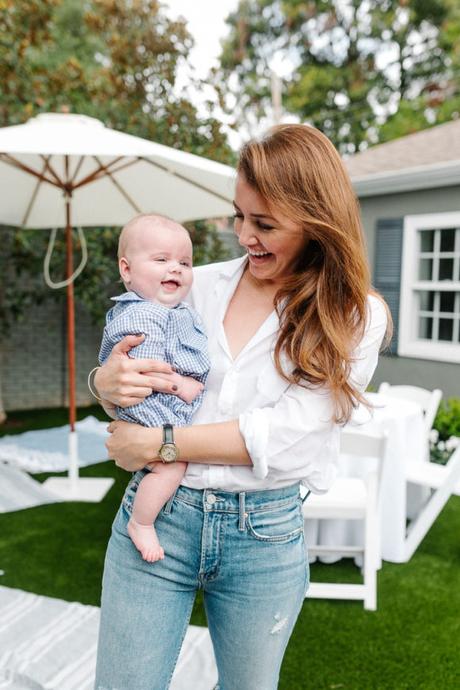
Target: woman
(294,335)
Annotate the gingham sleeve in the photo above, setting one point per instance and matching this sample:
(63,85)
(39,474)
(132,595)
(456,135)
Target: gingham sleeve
(140,317)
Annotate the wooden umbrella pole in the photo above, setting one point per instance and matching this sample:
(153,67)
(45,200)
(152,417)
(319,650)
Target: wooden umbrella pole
(73,441)
(70,316)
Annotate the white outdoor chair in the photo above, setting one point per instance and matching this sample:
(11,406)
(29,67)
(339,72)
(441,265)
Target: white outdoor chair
(441,480)
(352,498)
(428,400)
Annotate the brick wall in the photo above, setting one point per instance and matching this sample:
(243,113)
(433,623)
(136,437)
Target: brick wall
(34,358)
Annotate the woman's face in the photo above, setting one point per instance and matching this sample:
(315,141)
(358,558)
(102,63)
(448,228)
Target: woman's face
(273,241)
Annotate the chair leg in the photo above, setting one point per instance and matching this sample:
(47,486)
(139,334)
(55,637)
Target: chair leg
(371,545)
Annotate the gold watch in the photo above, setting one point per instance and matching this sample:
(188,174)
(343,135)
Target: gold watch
(168,450)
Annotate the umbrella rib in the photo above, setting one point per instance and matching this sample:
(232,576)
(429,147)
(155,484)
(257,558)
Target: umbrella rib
(6,158)
(122,191)
(125,165)
(77,170)
(32,198)
(186,179)
(51,170)
(100,172)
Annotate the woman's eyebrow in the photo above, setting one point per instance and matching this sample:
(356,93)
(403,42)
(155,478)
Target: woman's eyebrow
(256,215)
(262,215)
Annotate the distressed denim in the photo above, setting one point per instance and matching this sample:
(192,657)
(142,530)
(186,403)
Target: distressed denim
(245,550)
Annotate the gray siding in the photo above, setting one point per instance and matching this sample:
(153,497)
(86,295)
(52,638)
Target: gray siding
(426,373)
(419,372)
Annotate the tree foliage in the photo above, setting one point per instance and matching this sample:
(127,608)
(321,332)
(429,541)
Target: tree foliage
(353,65)
(116,60)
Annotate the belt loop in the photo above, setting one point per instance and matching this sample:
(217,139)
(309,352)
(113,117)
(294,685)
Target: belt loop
(168,507)
(242,511)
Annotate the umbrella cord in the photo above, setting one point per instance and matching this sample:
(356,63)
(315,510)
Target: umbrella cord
(47,260)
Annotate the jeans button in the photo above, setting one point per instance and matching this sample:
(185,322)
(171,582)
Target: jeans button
(211,499)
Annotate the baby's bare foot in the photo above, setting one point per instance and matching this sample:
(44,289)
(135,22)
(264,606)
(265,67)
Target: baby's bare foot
(146,541)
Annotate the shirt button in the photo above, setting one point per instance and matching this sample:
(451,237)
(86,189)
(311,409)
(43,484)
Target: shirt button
(211,499)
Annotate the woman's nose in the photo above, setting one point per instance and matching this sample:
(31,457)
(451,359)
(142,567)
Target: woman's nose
(246,234)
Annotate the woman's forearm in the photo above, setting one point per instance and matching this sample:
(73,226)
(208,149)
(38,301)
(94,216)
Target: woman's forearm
(133,446)
(214,444)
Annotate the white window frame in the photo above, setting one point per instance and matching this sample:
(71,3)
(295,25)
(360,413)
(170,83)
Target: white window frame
(409,345)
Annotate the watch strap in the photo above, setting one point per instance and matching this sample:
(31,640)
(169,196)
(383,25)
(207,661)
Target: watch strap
(168,433)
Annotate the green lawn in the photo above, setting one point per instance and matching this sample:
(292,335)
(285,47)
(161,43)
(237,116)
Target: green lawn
(411,642)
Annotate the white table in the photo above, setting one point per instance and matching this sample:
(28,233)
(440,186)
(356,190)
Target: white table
(403,422)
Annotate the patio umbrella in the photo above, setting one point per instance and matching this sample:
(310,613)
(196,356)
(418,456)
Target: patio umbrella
(58,167)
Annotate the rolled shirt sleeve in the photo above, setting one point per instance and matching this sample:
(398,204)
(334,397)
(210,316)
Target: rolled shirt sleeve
(297,433)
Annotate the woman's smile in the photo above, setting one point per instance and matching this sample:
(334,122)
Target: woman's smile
(258,258)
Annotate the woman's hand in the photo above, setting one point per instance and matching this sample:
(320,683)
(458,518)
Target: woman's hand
(125,381)
(133,446)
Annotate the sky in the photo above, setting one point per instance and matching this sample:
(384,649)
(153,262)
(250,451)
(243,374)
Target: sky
(206,23)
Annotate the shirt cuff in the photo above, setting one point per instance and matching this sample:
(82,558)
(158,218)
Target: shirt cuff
(254,428)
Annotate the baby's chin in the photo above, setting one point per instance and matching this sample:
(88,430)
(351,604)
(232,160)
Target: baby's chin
(166,300)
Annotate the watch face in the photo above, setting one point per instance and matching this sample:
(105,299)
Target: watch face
(168,452)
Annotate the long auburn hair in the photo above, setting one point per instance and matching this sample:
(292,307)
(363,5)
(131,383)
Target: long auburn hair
(322,306)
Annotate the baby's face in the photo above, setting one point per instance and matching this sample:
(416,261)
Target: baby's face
(158,264)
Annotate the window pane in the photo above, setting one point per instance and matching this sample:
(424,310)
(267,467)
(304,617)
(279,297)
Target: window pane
(425,327)
(447,301)
(425,269)
(446,327)
(426,240)
(448,239)
(446,269)
(426,301)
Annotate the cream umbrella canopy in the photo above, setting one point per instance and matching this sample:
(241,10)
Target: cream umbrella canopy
(57,167)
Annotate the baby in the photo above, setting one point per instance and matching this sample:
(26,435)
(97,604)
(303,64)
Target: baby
(155,263)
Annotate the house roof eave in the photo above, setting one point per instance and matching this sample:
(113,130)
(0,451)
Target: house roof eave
(408,179)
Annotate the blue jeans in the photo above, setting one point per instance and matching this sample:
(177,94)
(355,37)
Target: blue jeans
(246,551)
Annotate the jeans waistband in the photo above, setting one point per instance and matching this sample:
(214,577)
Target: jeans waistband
(237,502)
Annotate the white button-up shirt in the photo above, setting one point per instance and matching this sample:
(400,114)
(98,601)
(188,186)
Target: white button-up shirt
(287,428)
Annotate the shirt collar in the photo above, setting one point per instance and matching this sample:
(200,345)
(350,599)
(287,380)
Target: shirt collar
(228,271)
(229,268)
(132,296)
(129,296)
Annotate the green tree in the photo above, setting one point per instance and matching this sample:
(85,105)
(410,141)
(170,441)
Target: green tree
(423,79)
(116,60)
(352,64)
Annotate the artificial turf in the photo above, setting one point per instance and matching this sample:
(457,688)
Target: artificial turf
(411,642)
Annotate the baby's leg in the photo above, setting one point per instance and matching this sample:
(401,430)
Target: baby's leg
(152,493)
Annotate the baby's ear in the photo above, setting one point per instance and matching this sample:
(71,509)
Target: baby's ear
(123,267)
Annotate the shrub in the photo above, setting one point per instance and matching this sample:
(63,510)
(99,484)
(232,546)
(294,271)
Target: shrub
(445,436)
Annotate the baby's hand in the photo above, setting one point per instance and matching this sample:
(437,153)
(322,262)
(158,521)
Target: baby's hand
(188,388)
